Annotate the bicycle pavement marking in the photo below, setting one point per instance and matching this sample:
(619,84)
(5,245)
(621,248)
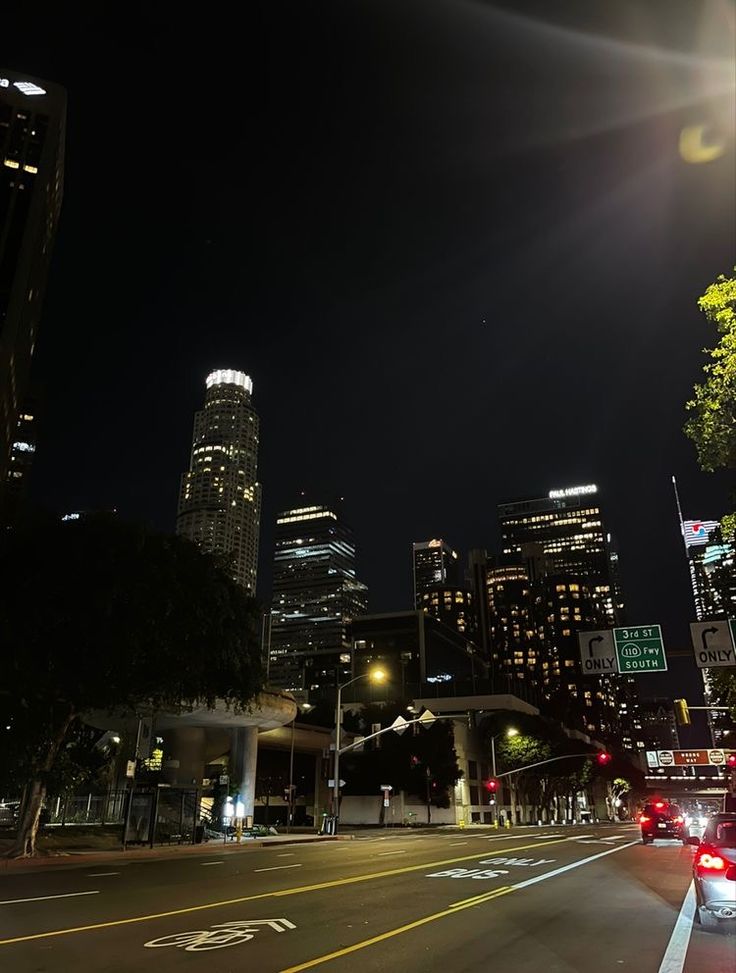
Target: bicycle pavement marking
(334,883)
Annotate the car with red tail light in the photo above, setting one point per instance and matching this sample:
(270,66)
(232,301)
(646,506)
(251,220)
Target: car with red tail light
(714,873)
(660,819)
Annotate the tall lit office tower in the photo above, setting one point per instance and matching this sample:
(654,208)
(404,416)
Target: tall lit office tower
(712,565)
(315,595)
(566,528)
(435,566)
(220,496)
(32,120)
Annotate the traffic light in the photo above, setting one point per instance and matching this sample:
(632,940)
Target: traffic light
(603,758)
(492,785)
(731,761)
(682,713)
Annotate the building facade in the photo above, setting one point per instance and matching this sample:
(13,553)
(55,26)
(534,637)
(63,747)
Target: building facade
(712,566)
(566,530)
(419,654)
(556,577)
(220,496)
(435,564)
(32,126)
(316,594)
(453,606)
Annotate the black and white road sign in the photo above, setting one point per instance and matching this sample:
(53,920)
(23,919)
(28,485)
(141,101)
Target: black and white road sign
(597,652)
(713,644)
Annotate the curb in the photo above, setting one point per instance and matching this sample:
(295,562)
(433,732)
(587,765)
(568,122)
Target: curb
(74,858)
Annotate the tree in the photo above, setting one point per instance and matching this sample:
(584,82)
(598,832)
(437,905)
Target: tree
(100,614)
(713,425)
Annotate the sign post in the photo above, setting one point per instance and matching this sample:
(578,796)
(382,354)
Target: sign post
(640,649)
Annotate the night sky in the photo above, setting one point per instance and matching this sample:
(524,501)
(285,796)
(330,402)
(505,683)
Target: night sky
(453,244)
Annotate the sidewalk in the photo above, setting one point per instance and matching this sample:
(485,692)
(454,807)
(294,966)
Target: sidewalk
(159,852)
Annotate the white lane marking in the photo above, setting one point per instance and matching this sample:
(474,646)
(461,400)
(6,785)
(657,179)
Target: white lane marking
(382,854)
(538,836)
(673,960)
(456,844)
(286,854)
(101,874)
(567,868)
(577,837)
(44,898)
(211,863)
(274,868)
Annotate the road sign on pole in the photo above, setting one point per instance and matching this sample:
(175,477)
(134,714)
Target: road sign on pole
(597,652)
(713,643)
(640,649)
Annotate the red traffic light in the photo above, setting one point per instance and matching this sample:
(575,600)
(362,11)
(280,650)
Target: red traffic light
(603,758)
(492,785)
(731,761)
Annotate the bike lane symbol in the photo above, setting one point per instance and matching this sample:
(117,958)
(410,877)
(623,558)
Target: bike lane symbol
(219,936)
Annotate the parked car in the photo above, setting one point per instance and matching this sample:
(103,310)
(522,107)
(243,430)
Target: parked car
(714,872)
(660,819)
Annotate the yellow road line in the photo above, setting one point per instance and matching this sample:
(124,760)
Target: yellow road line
(478,898)
(335,883)
(452,911)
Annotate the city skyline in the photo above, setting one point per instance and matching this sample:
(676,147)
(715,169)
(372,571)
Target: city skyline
(395,363)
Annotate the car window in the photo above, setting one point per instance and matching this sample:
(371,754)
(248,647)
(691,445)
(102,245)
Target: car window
(721,833)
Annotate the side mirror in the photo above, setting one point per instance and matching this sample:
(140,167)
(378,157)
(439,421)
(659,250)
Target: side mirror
(693,840)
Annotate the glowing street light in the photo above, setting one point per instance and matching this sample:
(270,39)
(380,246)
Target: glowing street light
(376,675)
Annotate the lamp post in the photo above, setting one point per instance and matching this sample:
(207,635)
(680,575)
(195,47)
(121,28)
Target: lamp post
(511,732)
(375,675)
(301,708)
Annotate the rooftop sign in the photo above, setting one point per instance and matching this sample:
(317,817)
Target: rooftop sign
(576,491)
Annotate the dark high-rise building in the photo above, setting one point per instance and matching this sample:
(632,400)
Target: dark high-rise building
(556,577)
(712,566)
(435,566)
(415,649)
(453,606)
(315,595)
(220,496)
(22,453)
(658,727)
(566,529)
(32,121)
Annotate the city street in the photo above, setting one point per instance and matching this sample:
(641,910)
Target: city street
(580,899)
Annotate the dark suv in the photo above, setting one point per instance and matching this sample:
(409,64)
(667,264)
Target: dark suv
(660,819)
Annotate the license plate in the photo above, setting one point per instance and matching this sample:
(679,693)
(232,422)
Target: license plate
(661,825)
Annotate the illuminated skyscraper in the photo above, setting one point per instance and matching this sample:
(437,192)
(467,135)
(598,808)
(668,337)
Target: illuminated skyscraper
(220,496)
(435,566)
(566,530)
(557,576)
(315,596)
(32,120)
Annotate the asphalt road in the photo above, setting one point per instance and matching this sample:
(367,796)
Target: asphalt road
(587,900)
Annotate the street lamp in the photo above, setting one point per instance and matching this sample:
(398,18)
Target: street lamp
(301,708)
(375,675)
(509,733)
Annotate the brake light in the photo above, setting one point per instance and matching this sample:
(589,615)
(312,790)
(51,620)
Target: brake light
(711,863)
(659,805)
(643,819)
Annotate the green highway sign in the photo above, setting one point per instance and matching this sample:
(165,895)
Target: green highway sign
(640,649)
